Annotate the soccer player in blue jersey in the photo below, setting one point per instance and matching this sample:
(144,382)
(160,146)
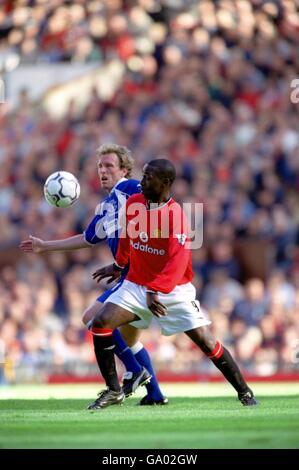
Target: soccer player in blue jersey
(115,165)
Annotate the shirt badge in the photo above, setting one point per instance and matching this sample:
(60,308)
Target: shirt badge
(181,238)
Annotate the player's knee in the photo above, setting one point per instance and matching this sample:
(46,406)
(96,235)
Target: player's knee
(209,344)
(88,315)
(91,312)
(103,320)
(204,338)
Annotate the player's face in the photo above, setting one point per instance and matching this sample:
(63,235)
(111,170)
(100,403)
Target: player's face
(151,184)
(109,171)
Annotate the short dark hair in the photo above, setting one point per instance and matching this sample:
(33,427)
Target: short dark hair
(165,167)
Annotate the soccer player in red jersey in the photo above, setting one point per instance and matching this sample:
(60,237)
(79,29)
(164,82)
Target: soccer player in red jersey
(155,243)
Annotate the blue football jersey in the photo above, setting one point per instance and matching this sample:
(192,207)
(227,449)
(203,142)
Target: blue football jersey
(105,224)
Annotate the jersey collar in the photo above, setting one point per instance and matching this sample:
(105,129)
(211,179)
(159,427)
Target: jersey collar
(116,184)
(148,204)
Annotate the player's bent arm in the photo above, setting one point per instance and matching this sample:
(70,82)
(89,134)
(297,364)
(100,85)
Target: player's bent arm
(113,271)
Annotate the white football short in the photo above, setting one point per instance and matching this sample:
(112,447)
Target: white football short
(183,310)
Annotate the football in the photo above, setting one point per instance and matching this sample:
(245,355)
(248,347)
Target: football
(61,189)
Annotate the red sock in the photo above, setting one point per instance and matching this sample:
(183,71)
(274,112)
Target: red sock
(101,331)
(217,352)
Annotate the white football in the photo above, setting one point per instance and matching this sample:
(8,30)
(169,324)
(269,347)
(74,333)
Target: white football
(62,189)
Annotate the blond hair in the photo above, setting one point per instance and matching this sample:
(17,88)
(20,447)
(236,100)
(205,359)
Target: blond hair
(124,155)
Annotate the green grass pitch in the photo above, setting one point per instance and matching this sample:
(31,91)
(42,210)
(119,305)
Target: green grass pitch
(198,416)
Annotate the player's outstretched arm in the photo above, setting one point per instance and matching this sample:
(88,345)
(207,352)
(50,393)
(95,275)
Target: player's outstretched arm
(33,244)
(112,271)
(37,245)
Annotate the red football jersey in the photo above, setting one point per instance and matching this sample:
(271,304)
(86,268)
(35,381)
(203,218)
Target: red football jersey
(154,242)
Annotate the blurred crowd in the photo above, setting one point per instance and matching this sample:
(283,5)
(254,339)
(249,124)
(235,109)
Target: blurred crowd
(206,85)
(78,30)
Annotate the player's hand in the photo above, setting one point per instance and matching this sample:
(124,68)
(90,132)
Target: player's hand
(108,271)
(33,245)
(154,304)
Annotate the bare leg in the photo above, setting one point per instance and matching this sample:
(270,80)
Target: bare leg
(203,338)
(112,316)
(130,334)
(91,311)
